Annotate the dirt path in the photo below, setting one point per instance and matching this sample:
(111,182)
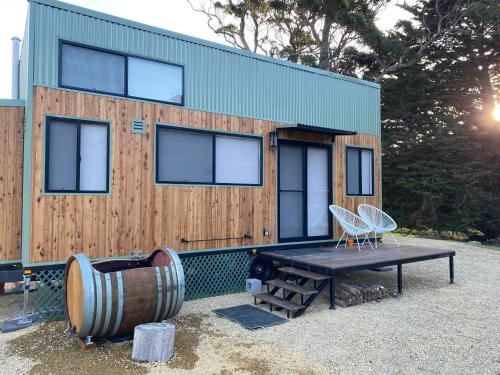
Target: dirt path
(433,328)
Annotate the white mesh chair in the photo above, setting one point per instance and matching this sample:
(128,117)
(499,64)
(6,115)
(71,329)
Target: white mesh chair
(352,225)
(378,220)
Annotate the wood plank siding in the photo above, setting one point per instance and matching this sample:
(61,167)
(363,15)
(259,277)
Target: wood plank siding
(11,181)
(139,214)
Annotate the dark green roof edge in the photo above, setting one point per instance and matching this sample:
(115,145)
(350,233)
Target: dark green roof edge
(190,39)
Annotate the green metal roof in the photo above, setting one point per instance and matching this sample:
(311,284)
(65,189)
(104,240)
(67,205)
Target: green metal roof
(218,78)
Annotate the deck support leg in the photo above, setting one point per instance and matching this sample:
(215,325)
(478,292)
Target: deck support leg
(332,291)
(400,278)
(452,270)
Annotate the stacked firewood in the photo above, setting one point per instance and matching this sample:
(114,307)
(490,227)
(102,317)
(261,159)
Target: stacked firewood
(355,294)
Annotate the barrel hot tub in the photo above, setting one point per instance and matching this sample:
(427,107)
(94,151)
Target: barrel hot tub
(110,298)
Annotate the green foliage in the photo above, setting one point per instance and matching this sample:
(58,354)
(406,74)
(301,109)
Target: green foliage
(441,149)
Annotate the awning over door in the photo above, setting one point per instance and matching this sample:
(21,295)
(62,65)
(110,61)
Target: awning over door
(314,129)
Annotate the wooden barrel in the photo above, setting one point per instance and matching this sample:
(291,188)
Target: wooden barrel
(110,298)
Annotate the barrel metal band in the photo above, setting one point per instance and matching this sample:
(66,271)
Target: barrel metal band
(120,303)
(88,293)
(109,299)
(181,281)
(173,275)
(159,293)
(98,313)
(168,305)
(175,301)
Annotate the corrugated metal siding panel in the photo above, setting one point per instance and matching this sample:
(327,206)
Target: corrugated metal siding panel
(216,80)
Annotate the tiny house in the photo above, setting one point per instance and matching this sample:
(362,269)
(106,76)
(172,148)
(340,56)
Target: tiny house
(125,137)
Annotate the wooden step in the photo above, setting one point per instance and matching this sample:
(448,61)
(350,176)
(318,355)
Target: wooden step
(291,287)
(303,273)
(280,302)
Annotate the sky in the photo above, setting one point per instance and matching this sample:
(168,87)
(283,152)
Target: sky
(174,15)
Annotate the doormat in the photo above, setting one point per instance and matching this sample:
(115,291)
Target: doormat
(250,317)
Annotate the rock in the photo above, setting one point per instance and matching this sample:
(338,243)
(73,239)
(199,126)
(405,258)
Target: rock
(153,342)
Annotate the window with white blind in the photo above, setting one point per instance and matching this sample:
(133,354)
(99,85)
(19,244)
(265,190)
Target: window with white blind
(76,156)
(187,156)
(108,72)
(237,160)
(359,171)
(154,80)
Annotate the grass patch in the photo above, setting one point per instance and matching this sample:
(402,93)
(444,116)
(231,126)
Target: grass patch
(491,247)
(432,234)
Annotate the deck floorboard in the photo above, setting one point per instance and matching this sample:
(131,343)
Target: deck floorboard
(341,259)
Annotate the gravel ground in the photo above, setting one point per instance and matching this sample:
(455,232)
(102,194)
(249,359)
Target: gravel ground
(433,328)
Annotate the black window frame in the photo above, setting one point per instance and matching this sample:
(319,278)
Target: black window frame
(214,135)
(360,171)
(125,56)
(79,123)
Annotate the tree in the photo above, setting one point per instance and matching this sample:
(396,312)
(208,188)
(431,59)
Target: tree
(440,73)
(442,131)
(319,33)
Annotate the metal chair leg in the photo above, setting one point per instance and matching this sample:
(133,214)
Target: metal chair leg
(367,240)
(357,242)
(340,240)
(394,238)
(364,240)
(376,240)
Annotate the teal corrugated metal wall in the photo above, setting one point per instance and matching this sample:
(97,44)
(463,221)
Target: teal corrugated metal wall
(217,78)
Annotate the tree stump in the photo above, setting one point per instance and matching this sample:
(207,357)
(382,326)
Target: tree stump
(153,342)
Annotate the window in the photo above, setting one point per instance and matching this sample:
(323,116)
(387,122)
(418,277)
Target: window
(154,80)
(76,156)
(237,160)
(359,170)
(90,69)
(204,157)
(184,156)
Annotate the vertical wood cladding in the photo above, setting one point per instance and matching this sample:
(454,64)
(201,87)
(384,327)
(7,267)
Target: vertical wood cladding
(11,181)
(139,214)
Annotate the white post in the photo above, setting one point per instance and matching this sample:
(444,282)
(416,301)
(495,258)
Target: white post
(16,43)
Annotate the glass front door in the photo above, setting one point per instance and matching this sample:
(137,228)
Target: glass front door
(304,187)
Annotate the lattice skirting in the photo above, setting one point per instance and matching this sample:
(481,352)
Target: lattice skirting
(206,276)
(49,297)
(215,275)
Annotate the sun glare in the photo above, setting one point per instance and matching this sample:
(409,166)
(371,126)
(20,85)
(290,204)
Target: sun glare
(496,112)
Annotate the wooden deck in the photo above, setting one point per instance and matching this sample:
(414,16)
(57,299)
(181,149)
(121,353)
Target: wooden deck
(333,261)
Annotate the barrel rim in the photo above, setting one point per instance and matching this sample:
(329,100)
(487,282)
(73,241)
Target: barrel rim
(88,291)
(181,281)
